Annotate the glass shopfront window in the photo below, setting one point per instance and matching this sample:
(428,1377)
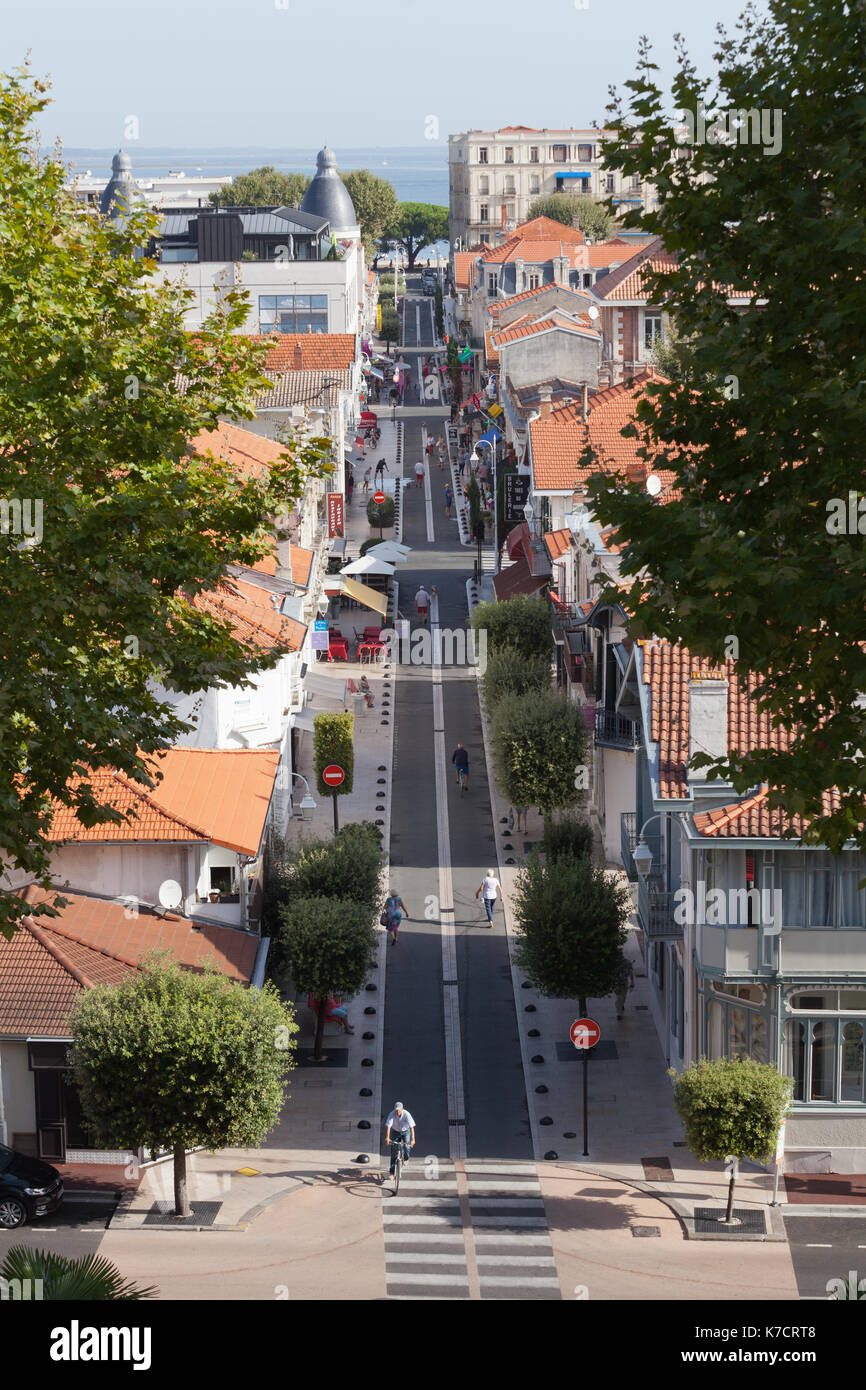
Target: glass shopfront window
(825,1057)
(293,313)
(737,1021)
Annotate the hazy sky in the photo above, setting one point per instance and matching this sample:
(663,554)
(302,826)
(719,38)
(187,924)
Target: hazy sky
(284,73)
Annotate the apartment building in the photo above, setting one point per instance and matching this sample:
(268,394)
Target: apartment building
(494,176)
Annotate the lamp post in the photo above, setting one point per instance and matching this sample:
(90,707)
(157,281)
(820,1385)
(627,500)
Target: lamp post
(642,855)
(308,805)
(491,445)
(529,514)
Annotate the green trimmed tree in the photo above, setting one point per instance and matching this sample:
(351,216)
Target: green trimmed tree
(418,225)
(265,187)
(327,943)
(539,749)
(390,330)
(88,1279)
(178,1059)
(594,219)
(568,836)
(571,919)
(759,554)
(334,743)
(120,526)
(522,623)
(510,672)
(731,1108)
(375,204)
(381,514)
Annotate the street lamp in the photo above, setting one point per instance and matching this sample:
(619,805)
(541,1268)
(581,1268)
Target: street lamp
(323,605)
(643,855)
(491,445)
(529,514)
(308,805)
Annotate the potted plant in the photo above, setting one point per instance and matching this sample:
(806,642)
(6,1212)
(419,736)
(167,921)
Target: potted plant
(214,895)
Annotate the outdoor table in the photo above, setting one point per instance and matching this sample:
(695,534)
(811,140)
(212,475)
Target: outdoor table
(338,650)
(372,650)
(373,633)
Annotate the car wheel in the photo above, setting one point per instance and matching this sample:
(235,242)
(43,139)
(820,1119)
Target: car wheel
(12,1213)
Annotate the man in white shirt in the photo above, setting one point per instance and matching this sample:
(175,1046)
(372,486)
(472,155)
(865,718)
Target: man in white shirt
(491,888)
(401,1122)
(422,604)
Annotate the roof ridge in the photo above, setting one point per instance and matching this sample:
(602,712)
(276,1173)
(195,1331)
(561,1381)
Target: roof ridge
(55,951)
(102,950)
(155,805)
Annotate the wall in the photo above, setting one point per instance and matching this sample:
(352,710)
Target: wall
(337,279)
(123,870)
(556,353)
(19,1097)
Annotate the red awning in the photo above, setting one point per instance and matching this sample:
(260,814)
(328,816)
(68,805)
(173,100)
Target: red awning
(517,579)
(514,541)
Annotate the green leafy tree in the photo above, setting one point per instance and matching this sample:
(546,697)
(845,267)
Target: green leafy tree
(334,742)
(539,744)
(265,187)
(472,493)
(418,225)
(757,543)
(575,209)
(673,357)
(124,527)
(176,1059)
(567,836)
(522,623)
(391,329)
(570,927)
(381,514)
(88,1279)
(375,205)
(510,672)
(731,1108)
(327,942)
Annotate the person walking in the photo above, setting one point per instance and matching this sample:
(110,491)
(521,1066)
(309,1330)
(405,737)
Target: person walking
(350,486)
(491,888)
(521,815)
(381,470)
(419,473)
(422,604)
(624,983)
(449,498)
(395,910)
(440,451)
(367,476)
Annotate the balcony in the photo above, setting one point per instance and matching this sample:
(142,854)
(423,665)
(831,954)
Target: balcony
(655,910)
(612,731)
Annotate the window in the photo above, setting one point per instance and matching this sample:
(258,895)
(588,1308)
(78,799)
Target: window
(584,152)
(482,155)
(484,184)
(509,185)
(485,238)
(293,313)
(492,283)
(534,183)
(587,278)
(533,154)
(534,281)
(559,152)
(171,254)
(509,154)
(737,1021)
(608,183)
(825,1058)
(635,182)
(482,212)
(652,329)
(820,889)
(509,212)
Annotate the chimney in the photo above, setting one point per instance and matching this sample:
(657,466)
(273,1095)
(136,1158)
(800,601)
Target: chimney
(585,402)
(544,398)
(708,725)
(519,285)
(502,216)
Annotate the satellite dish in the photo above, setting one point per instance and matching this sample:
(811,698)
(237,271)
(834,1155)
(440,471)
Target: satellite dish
(170,894)
(592,311)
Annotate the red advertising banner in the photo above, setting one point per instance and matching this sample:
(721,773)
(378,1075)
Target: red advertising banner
(335,514)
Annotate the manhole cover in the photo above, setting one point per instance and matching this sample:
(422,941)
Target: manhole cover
(711,1220)
(646,1230)
(202,1214)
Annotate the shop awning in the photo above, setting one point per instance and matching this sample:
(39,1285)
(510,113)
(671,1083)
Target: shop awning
(573,174)
(325,687)
(517,579)
(363,594)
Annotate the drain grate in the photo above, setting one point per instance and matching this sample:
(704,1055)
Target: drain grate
(646,1230)
(334,1057)
(202,1214)
(657,1169)
(710,1221)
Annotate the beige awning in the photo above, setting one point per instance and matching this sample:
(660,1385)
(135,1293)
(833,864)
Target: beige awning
(363,594)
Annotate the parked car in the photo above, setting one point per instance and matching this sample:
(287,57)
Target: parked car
(28,1188)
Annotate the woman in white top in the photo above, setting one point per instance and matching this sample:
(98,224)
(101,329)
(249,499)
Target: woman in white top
(491,888)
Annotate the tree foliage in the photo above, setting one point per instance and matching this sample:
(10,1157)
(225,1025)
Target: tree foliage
(175,1059)
(522,623)
(381,514)
(88,1279)
(575,209)
(334,742)
(539,740)
(375,204)
(511,672)
(349,863)
(570,927)
(766,457)
(327,943)
(391,326)
(418,225)
(567,836)
(94,439)
(265,187)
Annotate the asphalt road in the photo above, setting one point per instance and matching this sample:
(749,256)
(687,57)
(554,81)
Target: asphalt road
(824,1248)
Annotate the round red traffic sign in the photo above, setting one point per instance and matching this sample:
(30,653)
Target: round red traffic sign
(333,775)
(584,1032)
(378,498)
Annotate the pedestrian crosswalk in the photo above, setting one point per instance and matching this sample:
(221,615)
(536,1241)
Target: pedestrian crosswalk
(499,1226)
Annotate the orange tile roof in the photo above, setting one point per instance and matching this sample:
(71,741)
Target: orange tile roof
(308,352)
(251,454)
(559,440)
(579,295)
(548,229)
(254,620)
(539,252)
(558,542)
(753,819)
(490,353)
(220,796)
(464,262)
(518,579)
(520,328)
(301,562)
(628,280)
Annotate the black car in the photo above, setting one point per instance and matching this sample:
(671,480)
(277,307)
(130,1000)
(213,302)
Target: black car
(28,1188)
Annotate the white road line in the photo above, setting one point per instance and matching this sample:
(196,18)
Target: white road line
(402,1278)
(428,1202)
(441,1237)
(428,502)
(451,1001)
(534,1261)
(403,1218)
(401,1258)
(817,1245)
(511,1279)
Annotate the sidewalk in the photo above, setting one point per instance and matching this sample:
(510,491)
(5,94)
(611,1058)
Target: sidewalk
(318,1135)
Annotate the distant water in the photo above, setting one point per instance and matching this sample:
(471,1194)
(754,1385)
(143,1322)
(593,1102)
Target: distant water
(419,174)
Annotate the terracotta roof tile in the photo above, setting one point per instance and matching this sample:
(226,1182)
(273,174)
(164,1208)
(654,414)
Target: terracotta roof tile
(558,542)
(523,328)
(308,352)
(251,454)
(753,819)
(464,263)
(559,440)
(255,622)
(627,281)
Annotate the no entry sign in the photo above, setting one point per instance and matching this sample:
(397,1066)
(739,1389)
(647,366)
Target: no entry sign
(584,1032)
(333,775)
(378,498)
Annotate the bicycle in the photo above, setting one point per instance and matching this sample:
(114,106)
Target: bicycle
(463,773)
(400,1156)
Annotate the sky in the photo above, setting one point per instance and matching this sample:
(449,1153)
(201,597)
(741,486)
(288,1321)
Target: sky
(290,73)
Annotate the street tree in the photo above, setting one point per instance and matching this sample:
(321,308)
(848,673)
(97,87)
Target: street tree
(391,327)
(349,863)
(113,527)
(575,210)
(539,745)
(510,672)
(731,1108)
(522,623)
(265,187)
(570,927)
(334,746)
(327,944)
(177,1059)
(418,225)
(761,540)
(375,204)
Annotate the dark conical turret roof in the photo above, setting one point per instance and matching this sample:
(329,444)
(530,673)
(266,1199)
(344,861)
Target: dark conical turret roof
(327,195)
(118,194)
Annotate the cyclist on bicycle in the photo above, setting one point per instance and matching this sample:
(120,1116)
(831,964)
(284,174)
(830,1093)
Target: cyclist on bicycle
(460,759)
(402,1124)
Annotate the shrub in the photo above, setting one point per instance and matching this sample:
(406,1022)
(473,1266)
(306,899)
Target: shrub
(568,836)
(539,741)
(473,499)
(345,866)
(508,672)
(381,514)
(522,623)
